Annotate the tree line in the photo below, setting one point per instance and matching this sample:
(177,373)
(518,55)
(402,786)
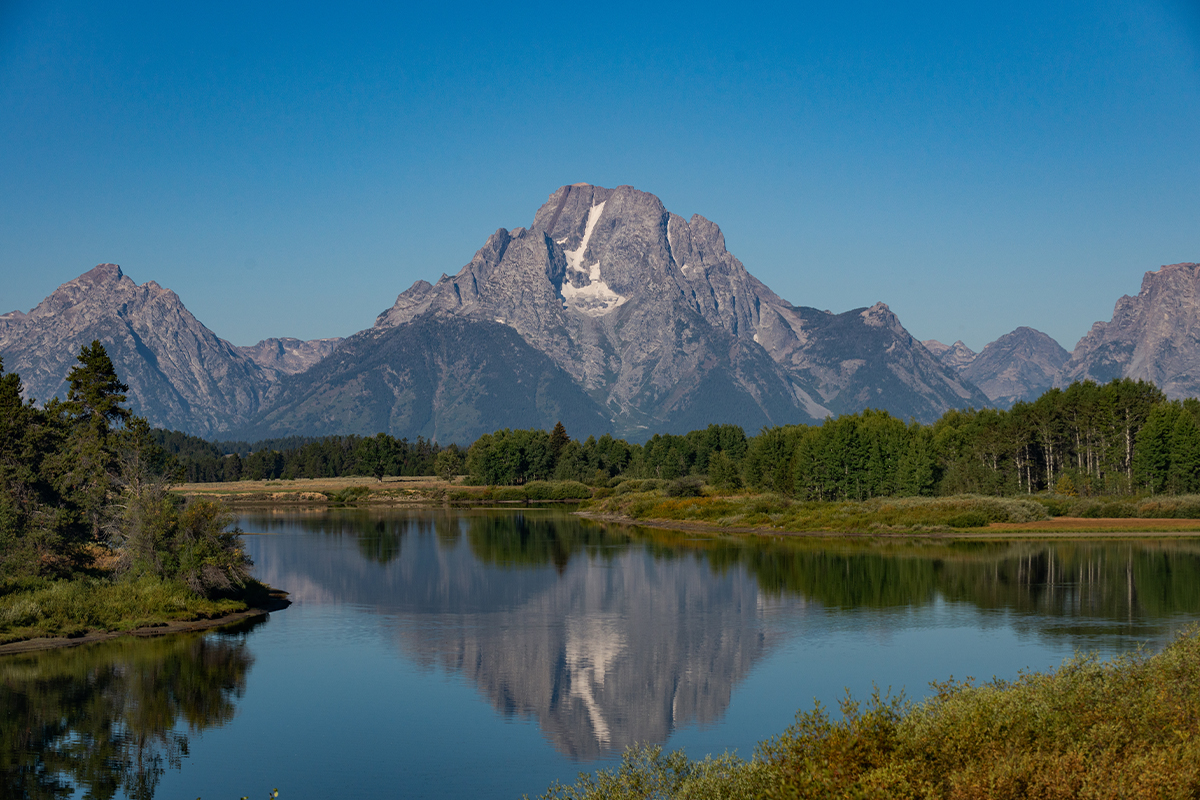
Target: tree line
(201,461)
(1119,438)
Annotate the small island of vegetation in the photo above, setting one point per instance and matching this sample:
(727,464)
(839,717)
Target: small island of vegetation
(91,538)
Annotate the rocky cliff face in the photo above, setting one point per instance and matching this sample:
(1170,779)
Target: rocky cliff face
(180,374)
(1154,336)
(1019,366)
(667,330)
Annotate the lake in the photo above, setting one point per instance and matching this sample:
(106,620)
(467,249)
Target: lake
(460,653)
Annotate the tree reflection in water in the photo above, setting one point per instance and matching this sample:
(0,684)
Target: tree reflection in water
(608,635)
(107,717)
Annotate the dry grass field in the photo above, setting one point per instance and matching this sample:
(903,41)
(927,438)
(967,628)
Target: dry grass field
(321,490)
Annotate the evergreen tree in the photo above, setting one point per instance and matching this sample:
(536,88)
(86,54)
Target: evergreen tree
(1184,476)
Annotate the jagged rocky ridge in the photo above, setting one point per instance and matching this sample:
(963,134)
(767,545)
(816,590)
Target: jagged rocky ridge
(1153,337)
(180,374)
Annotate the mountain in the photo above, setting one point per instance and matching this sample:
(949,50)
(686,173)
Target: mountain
(1154,336)
(1019,366)
(288,356)
(956,356)
(447,380)
(180,374)
(666,330)
(608,312)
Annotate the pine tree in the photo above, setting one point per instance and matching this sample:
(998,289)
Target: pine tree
(558,439)
(88,464)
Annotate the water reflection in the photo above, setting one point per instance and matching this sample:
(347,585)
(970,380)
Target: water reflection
(107,718)
(607,636)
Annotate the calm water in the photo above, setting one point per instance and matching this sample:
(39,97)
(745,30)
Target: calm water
(488,654)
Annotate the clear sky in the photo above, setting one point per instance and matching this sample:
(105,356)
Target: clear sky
(289,168)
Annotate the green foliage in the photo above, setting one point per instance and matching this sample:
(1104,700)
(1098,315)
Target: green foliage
(449,463)
(688,486)
(349,496)
(557,490)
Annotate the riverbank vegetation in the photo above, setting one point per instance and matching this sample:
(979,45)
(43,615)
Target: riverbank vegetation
(1123,728)
(90,536)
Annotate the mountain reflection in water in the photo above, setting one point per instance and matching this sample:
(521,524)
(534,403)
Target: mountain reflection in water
(107,717)
(609,636)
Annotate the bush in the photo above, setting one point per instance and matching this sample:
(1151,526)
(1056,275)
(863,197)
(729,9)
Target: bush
(508,493)
(687,486)
(1185,506)
(641,485)
(348,496)
(971,519)
(1125,728)
(558,490)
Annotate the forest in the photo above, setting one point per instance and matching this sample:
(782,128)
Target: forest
(1119,438)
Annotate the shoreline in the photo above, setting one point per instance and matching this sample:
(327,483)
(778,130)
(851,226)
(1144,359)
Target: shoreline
(277,602)
(1055,528)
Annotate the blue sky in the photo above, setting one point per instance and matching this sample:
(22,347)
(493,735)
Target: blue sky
(289,168)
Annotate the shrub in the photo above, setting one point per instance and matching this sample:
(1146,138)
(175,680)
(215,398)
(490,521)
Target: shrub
(687,486)
(641,485)
(348,496)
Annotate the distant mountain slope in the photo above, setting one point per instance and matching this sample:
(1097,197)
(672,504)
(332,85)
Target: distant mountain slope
(180,374)
(288,356)
(448,380)
(1019,366)
(956,356)
(1154,336)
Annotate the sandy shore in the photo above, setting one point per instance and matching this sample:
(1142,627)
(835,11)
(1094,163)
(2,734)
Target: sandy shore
(278,602)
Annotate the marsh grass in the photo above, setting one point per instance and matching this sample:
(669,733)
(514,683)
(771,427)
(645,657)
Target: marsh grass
(776,511)
(1126,728)
(34,608)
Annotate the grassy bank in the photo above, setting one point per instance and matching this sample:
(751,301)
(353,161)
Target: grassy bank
(397,491)
(1127,728)
(880,515)
(649,501)
(37,607)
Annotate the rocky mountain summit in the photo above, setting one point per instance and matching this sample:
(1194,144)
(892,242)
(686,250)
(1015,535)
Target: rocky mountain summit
(1154,336)
(666,330)
(180,374)
(1019,366)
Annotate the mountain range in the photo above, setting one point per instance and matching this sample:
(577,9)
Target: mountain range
(608,312)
